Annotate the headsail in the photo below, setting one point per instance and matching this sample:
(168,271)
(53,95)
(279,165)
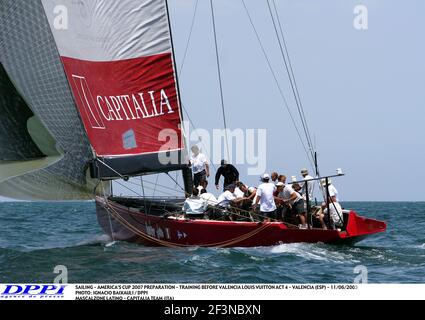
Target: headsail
(119,63)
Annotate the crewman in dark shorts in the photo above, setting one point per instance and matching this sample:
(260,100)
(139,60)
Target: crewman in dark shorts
(229,172)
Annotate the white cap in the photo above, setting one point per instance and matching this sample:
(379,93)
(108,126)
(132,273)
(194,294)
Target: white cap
(280,184)
(324,182)
(265,176)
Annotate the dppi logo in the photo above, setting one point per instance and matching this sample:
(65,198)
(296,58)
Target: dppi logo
(33,291)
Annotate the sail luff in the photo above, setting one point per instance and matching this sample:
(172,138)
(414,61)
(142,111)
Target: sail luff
(187,173)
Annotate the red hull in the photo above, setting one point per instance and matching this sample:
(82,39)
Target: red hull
(128,224)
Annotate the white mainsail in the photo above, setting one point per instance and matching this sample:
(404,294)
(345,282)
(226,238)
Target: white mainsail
(118,58)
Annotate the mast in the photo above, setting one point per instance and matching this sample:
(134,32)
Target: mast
(186,172)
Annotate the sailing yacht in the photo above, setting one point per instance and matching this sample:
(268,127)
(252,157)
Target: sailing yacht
(110,104)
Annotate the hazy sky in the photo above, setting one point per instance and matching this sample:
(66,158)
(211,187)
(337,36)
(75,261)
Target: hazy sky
(363,90)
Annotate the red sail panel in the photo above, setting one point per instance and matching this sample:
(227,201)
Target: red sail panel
(126,104)
(118,59)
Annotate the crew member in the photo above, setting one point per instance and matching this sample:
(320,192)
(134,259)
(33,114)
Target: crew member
(265,197)
(274,177)
(228,198)
(294,201)
(335,208)
(229,172)
(194,206)
(200,166)
(248,193)
(307,186)
(333,192)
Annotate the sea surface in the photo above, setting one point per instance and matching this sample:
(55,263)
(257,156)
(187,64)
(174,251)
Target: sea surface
(36,237)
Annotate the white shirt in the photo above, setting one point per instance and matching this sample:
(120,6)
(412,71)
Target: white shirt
(336,212)
(194,205)
(287,193)
(225,198)
(198,162)
(209,198)
(265,192)
(238,193)
(333,192)
(310,187)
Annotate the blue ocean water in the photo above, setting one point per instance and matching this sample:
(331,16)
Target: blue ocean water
(35,237)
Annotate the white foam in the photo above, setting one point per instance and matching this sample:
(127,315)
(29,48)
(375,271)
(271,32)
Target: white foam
(101,239)
(256,258)
(196,258)
(313,252)
(287,248)
(110,244)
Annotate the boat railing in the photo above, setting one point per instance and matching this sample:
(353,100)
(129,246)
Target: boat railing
(325,186)
(155,198)
(326,191)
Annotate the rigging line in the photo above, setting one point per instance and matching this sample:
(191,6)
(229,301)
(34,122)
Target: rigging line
(130,182)
(219,79)
(105,198)
(181,69)
(291,77)
(176,185)
(175,66)
(149,182)
(156,185)
(154,191)
(165,193)
(175,180)
(316,163)
(277,82)
(124,186)
(109,167)
(144,195)
(138,194)
(289,58)
(193,126)
(292,70)
(189,37)
(150,188)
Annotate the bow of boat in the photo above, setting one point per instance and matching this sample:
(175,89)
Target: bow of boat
(358,228)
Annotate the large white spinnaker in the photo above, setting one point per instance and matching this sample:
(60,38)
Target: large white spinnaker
(31,61)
